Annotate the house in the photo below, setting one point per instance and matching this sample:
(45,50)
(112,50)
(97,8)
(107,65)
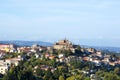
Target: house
(37,55)
(62,59)
(86,58)
(13,50)
(61,55)
(93,77)
(83,50)
(47,55)
(85,72)
(44,67)
(13,61)
(51,57)
(7,47)
(106,59)
(33,50)
(3,67)
(24,49)
(96,61)
(112,63)
(99,53)
(42,48)
(2,53)
(91,50)
(2,46)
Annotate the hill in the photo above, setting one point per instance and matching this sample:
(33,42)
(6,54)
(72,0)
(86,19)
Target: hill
(26,43)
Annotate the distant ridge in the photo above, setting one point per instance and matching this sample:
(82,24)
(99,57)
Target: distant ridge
(111,49)
(26,43)
(41,43)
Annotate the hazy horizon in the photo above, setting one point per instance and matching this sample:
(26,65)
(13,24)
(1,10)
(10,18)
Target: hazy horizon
(96,43)
(89,22)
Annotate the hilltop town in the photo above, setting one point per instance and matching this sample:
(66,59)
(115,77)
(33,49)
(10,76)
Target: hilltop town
(62,61)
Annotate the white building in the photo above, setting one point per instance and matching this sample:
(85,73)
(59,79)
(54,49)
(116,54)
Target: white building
(3,67)
(61,55)
(14,61)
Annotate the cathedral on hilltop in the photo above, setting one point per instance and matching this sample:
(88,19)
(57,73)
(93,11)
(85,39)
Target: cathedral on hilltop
(64,44)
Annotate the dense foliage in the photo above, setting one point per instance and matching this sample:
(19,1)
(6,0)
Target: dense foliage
(30,69)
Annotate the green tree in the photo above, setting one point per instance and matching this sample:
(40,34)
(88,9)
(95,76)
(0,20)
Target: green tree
(117,70)
(19,73)
(39,72)
(51,78)
(61,78)
(110,76)
(79,47)
(56,74)
(48,74)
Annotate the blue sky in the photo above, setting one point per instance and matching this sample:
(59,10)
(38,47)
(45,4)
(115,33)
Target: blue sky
(89,22)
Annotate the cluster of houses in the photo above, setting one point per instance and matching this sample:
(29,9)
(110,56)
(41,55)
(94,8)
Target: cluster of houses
(7,63)
(89,54)
(6,49)
(98,58)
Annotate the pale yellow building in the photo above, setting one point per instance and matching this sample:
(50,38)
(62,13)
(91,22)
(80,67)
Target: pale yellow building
(63,44)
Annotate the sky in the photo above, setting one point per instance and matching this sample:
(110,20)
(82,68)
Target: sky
(89,22)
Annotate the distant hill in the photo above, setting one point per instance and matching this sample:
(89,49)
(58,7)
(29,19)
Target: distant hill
(26,43)
(111,49)
(41,43)
(103,48)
